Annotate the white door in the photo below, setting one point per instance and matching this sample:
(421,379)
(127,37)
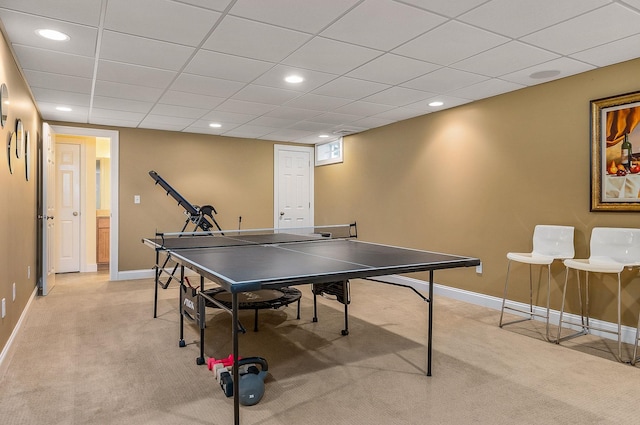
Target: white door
(48,202)
(293,187)
(68,206)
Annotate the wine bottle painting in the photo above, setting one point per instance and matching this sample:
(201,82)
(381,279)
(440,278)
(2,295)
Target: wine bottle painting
(615,153)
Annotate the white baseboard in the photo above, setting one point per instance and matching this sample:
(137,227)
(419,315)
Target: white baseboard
(495,303)
(4,355)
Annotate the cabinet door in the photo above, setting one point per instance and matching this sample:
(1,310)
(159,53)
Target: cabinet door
(102,240)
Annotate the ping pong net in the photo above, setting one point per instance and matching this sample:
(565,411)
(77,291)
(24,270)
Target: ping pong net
(216,239)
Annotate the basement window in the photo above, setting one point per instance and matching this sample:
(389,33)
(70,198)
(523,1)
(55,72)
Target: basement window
(329,152)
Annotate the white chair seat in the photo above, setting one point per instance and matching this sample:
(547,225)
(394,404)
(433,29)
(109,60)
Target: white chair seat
(530,258)
(589,265)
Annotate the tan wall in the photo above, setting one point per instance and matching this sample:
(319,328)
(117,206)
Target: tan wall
(233,175)
(476,179)
(17,199)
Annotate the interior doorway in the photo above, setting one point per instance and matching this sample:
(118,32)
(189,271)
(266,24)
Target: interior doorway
(98,208)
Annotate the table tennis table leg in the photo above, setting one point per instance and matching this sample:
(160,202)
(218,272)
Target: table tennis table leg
(201,323)
(345,292)
(430,326)
(157,281)
(236,375)
(181,343)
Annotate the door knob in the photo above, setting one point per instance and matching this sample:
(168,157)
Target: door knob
(281,213)
(75,213)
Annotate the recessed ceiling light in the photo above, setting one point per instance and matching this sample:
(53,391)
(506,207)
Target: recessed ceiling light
(550,73)
(436,103)
(53,35)
(323,136)
(294,79)
(215,125)
(63,108)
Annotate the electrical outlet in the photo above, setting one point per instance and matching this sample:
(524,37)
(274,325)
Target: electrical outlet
(479,268)
(4,307)
(136,199)
(14,291)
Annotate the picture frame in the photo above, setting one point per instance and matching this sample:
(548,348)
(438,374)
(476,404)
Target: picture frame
(27,155)
(19,138)
(615,173)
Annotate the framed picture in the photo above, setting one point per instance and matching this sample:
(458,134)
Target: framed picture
(615,153)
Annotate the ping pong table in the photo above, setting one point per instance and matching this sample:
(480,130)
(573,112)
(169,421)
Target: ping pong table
(254,260)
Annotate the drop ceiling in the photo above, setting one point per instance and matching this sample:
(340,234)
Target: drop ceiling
(182,65)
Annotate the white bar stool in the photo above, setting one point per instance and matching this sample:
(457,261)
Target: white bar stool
(611,251)
(550,243)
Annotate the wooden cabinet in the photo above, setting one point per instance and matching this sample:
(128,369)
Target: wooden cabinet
(102,242)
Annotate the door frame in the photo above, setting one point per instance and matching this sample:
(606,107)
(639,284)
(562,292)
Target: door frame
(114,137)
(276,179)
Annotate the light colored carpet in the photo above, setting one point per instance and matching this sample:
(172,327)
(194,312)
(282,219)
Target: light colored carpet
(91,353)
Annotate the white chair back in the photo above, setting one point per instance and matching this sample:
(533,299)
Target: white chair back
(611,244)
(553,241)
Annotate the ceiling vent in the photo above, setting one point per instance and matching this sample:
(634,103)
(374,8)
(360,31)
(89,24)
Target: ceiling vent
(344,131)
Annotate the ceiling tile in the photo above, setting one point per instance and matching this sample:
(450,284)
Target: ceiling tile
(275,78)
(79,113)
(335,118)
(173,97)
(22,29)
(448,102)
(350,88)
(58,81)
(61,97)
(398,96)
(486,89)
(444,80)
(273,122)
(450,43)
(160,20)
(505,59)
(392,69)
(227,67)
(447,8)
(77,11)
(307,16)
(242,37)
(330,56)
(219,5)
(242,107)
(206,86)
(515,18)
(587,31)
(118,104)
(160,122)
(262,94)
(394,23)
(565,67)
(224,117)
(32,58)
(610,53)
(144,51)
(249,131)
(317,102)
(178,111)
(113,114)
(134,74)
(288,135)
(127,91)
(363,109)
(292,113)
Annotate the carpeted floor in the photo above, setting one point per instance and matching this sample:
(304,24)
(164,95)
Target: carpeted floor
(91,353)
